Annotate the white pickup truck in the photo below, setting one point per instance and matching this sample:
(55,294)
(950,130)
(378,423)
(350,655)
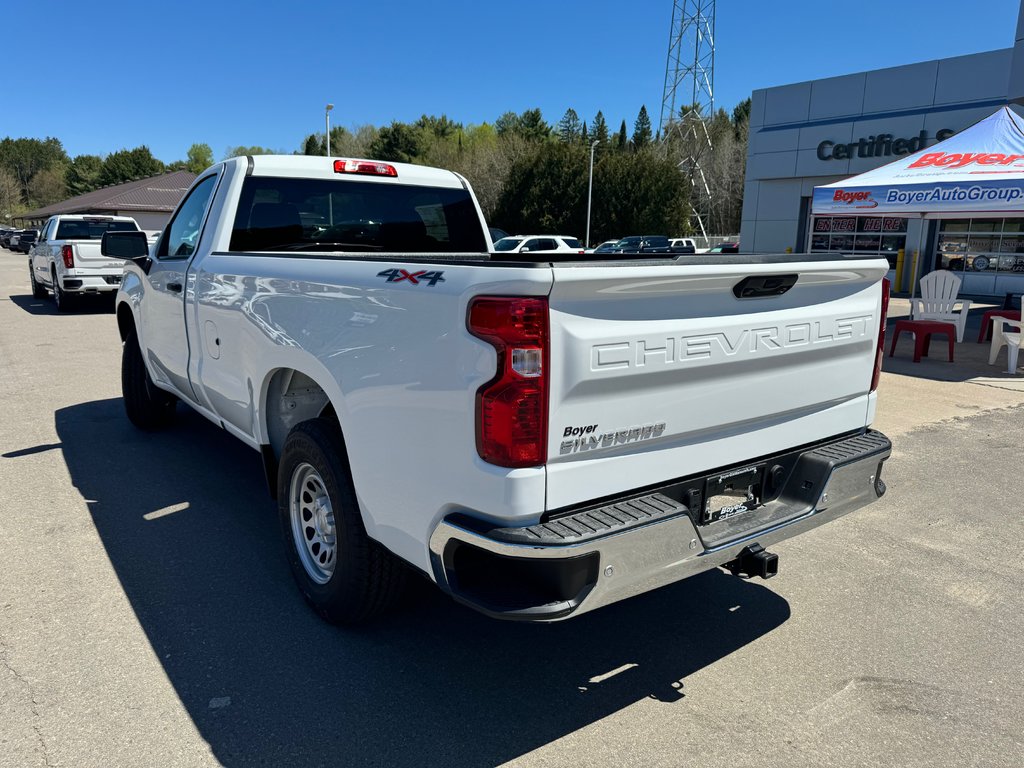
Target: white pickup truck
(540,439)
(66,259)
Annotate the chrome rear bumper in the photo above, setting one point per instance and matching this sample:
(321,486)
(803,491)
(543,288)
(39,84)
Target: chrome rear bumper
(555,569)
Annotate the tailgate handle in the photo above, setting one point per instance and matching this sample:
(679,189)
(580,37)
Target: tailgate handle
(760,286)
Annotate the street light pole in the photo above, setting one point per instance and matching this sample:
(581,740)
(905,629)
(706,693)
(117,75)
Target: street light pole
(590,191)
(330,198)
(327,120)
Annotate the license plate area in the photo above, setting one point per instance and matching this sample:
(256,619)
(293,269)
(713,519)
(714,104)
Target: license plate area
(733,493)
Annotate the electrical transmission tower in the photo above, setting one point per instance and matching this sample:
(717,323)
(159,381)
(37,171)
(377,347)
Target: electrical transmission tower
(688,100)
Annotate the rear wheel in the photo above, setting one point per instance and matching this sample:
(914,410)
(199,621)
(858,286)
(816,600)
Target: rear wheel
(344,575)
(38,291)
(61,299)
(147,406)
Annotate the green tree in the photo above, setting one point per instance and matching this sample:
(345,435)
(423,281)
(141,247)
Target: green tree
(642,132)
(47,187)
(546,190)
(638,192)
(599,129)
(507,124)
(313,144)
(532,126)
(241,151)
(24,158)
(399,143)
(83,174)
(128,165)
(569,128)
(529,125)
(621,140)
(200,157)
(11,203)
(440,127)
(741,119)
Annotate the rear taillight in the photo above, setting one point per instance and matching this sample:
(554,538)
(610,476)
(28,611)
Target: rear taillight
(67,253)
(512,408)
(881,335)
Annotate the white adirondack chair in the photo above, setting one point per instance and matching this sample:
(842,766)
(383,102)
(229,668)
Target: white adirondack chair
(939,301)
(1006,333)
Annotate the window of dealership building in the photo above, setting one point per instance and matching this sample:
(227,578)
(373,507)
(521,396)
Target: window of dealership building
(809,134)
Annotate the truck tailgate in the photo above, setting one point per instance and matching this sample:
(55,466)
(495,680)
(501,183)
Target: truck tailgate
(661,371)
(89,256)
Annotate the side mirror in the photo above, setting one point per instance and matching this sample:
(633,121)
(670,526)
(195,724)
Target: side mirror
(131,246)
(524,250)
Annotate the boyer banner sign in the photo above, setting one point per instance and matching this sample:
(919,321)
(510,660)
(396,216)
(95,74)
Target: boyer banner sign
(980,169)
(917,199)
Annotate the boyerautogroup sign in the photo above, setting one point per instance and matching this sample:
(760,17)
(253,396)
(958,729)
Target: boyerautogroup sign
(880,145)
(979,170)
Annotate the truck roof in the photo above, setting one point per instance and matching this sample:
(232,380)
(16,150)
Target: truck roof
(91,217)
(313,166)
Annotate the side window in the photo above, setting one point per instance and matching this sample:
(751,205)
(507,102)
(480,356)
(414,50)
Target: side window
(182,234)
(547,245)
(531,245)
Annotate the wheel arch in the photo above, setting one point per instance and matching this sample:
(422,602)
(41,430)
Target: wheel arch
(125,320)
(289,396)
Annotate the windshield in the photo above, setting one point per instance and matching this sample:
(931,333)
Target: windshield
(80,229)
(507,243)
(280,213)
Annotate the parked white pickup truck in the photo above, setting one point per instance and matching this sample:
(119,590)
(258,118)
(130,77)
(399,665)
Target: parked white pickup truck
(67,260)
(539,439)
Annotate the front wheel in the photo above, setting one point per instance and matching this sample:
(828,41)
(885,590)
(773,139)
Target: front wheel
(148,407)
(344,575)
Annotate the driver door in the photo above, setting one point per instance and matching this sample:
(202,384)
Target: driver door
(162,332)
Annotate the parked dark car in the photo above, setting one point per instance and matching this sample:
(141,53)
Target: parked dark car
(27,240)
(652,244)
(5,236)
(608,246)
(725,248)
(643,244)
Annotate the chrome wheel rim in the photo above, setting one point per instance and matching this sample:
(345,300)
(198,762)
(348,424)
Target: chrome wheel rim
(313,527)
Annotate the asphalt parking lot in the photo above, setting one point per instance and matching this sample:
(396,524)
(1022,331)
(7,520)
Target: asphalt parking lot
(147,615)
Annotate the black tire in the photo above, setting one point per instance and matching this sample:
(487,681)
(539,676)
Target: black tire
(60,299)
(148,407)
(366,579)
(38,291)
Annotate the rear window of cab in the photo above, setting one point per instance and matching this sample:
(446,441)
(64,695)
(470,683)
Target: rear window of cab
(288,214)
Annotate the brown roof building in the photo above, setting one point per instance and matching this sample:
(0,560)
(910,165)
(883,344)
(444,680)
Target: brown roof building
(149,201)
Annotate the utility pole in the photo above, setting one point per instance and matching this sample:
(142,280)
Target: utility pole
(327,120)
(590,192)
(688,98)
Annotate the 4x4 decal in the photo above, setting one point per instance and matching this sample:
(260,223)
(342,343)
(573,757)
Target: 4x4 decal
(431,278)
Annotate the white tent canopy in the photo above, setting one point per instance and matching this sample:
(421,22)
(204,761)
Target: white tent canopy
(977,172)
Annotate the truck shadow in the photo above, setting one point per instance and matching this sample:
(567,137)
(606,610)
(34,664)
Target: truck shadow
(88,305)
(189,528)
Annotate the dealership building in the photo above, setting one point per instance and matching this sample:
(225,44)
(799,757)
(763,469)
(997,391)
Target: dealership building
(809,134)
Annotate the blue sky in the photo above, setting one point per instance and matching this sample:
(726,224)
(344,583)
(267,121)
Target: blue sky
(104,76)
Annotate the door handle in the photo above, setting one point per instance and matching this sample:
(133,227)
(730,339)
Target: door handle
(176,287)
(758,286)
